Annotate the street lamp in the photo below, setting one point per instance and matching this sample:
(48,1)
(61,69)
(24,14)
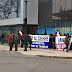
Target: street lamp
(25,20)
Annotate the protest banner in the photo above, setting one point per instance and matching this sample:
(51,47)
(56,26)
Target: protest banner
(60,42)
(40,41)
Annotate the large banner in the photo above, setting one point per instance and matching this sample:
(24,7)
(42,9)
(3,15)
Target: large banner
(40,41)
(60,42)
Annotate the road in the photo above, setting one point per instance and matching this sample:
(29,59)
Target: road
(16,62)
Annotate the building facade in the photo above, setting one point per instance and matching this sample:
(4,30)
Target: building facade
(44,14)
(12,15)
(59,14)
(62,15)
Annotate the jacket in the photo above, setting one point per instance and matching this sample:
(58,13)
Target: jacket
(66,40)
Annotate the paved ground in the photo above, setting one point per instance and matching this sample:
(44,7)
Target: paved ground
(51,53)
(17,62)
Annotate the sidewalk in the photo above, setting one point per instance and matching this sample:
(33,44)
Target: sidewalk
(49,53)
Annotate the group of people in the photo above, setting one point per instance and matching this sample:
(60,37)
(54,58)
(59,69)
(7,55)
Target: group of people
(15,39)
(67,41)
(25,42)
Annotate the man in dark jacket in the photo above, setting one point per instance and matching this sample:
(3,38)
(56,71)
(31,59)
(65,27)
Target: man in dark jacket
(2,38)
(30,41)
(50,42)
(53,41)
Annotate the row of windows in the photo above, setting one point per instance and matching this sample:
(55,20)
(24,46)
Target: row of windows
(56,24)
(8,30)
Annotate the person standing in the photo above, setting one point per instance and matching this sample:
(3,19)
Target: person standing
(2,38)
(10,40)
(13,39)
(22,40)
(53,41)
(30,41)
(45,32)
(66,42)
(50,42)
(16,41)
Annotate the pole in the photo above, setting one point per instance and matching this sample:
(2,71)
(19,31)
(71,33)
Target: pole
(25,26)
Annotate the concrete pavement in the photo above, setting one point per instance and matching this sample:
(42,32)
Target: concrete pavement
(49,53)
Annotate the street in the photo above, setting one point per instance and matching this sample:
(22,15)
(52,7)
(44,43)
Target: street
(17,62)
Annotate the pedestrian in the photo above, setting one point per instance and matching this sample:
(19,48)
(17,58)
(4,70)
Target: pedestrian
(16,41)
(13,39)
(22,40)
(45,33)
(66,42)
(10,40)
(20,35)
(2,38)
(30,41)
(27,40)
(50,42)
(53,41)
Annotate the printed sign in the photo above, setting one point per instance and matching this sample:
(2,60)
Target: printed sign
(40,41)
(60,42)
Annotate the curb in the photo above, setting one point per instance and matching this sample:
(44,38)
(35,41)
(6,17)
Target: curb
(59,57)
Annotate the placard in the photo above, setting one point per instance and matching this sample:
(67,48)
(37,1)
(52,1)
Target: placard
(40,41)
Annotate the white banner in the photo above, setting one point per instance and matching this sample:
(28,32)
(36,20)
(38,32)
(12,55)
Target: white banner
(60,42)
(40,41)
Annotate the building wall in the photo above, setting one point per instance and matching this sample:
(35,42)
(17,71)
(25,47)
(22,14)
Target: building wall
(12,19)
(64,26)
(32,12)
(45,11)
(11,7)
(57,4)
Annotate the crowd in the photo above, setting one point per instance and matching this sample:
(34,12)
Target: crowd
(18,40)
(68,41)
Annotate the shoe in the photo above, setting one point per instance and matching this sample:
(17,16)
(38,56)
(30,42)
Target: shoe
(10,50)
(63,49)
(15,50)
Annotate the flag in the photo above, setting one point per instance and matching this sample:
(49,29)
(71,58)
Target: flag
(57,33)
(8,35)
(20,33)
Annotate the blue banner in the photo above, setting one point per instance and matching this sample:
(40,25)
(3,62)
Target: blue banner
(43,45)
(40,41)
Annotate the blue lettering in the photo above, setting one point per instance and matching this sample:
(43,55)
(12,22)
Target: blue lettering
(61,39)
